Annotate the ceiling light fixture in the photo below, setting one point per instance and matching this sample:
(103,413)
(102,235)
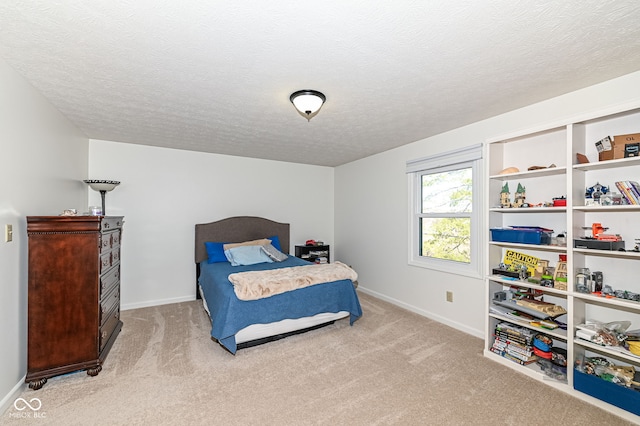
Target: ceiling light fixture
(307,102)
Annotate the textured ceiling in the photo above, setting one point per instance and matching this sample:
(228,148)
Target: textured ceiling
(216,76)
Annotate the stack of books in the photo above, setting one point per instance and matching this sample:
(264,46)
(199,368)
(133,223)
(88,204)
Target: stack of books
(320,256)
(630,191)
(514,343)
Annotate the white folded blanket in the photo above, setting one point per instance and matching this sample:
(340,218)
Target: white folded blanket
(255,285)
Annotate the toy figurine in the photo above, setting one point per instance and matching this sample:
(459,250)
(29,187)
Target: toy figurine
(598,233)
(624,294)
(540,270)
(505,202)
(594,193)
(523,273)
(607,291)
(519,200)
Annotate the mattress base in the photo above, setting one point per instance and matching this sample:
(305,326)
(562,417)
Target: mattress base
(256,342)
(261,331)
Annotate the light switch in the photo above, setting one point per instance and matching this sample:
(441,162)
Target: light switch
(8,233)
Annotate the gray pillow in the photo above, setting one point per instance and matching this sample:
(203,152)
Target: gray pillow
(275,254)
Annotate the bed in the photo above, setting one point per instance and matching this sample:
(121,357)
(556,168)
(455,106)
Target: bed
(237,323)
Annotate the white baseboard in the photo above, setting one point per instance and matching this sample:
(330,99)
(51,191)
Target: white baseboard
(458,326)
(158,302)
(446,321)
(8,400)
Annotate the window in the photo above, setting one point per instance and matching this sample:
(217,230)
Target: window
(445,202)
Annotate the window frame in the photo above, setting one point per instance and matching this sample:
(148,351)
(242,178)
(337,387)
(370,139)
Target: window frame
(469,157)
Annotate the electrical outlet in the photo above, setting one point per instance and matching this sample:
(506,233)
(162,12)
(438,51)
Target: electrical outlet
(8,233)
(449,296)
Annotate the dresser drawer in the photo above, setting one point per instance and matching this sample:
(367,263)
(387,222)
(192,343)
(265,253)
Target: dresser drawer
(115,239)
(108,281)
(105,262)
(115,256)
(109,240)
(111,223)
(105,242)
(109,259)
(107,304)
(107,329)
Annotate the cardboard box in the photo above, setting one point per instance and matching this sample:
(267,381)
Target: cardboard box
(628,143)
(615,148)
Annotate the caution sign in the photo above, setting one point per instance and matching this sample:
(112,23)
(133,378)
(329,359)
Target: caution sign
(517,259)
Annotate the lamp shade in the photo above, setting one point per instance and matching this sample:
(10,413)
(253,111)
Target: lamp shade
(102,186)
(307,102)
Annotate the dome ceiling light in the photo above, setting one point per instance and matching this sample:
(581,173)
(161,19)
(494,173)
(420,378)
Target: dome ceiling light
(307,102)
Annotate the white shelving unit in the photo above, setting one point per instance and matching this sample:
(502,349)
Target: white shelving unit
(556,145)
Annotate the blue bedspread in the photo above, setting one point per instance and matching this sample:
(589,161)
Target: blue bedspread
(230,314)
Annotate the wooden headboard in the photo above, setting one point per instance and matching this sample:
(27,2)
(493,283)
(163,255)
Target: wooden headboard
(238,229)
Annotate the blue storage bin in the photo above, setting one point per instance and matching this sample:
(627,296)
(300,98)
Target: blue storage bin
(522,235)
(627,399)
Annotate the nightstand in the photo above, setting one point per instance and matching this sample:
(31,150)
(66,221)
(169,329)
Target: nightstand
(315,254)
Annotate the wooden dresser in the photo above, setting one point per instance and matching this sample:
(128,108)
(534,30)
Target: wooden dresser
(74,294)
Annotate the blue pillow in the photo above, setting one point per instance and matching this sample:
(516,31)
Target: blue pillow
(215,252)
(275,241)
(247,255)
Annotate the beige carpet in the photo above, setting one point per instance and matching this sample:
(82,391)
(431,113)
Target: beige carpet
(391,367)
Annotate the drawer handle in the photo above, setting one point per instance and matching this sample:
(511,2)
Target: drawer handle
(104,334)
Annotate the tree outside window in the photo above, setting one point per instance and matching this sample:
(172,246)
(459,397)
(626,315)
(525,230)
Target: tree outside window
(445,219)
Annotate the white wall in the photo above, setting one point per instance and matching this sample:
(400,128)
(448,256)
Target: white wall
(371,214)
(165,192)
(43,162)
